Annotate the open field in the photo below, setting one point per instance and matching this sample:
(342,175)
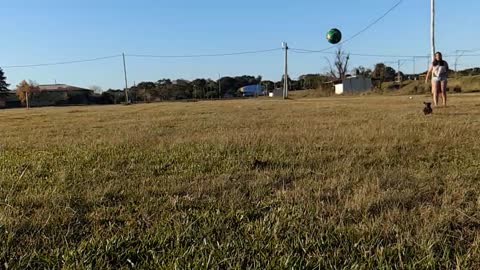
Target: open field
(344,182)
(467,84)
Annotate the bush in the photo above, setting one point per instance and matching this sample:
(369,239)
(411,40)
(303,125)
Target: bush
(211,94)
(392,86)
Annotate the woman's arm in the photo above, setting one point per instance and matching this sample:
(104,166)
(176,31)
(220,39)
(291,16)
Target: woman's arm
(428,73)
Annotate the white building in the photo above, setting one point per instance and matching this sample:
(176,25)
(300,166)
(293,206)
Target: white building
(353,84)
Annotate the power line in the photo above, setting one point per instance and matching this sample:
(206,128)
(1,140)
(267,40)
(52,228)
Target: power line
(203,55)
(64,63)
(466,55)
(295,50)
(142,56)
(374,22)
(305,51)
(363,30)
(359,54)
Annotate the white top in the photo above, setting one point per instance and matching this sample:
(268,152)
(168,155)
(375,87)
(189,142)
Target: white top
(440,71)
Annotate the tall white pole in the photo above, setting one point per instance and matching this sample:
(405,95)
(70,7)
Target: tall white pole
(433,29)
(414,71)
(456,61)
(126,81)
(285,76)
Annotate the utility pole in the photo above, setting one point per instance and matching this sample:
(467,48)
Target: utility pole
(285,76)
(414,73)
(456,63)
(219,86)
(432,28)
(126,81)
(400,62)
(458,55)
(456,60)
(398,72)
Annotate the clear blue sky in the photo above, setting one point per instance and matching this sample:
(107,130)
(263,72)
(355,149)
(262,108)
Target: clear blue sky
(57,30)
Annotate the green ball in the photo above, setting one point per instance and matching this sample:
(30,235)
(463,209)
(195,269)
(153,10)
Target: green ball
(334,36)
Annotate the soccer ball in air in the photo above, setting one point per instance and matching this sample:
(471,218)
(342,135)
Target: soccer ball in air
(334,36)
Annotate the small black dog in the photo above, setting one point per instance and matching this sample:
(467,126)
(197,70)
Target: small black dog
(428,108)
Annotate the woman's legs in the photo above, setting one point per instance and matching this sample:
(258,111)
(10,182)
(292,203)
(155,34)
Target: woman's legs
(443,85)
(435,92)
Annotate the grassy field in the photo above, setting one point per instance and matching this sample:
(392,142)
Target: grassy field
(341,182)
(467,84)
(463,84)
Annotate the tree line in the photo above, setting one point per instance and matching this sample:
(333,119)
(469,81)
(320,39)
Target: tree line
(225,87)
(228,87)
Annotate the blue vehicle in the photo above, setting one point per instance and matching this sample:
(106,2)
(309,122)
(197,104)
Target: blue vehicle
(252,90)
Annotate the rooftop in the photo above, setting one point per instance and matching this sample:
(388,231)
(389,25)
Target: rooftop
(60,87)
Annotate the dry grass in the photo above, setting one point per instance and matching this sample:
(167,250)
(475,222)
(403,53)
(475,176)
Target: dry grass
(348,182)
(467,84)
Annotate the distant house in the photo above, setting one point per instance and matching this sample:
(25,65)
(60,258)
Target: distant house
(252,90)
(60,94)
(353,84)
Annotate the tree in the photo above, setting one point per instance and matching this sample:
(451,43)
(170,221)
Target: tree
(24,89)
(258,80)
(164,82)
(313,81)
(362,71)
(268,85)
(296,85)
(228,85)
(212,86)
(147,85)
(199,86)
(211,94)
(383,72)
(144,90)
(390,73)
(3,81)
(379,71)
(97,89)
(339,72)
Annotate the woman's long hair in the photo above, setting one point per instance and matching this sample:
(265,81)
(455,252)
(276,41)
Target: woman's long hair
(438,62)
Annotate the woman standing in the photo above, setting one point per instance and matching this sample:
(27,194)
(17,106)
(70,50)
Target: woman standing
(439,70)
